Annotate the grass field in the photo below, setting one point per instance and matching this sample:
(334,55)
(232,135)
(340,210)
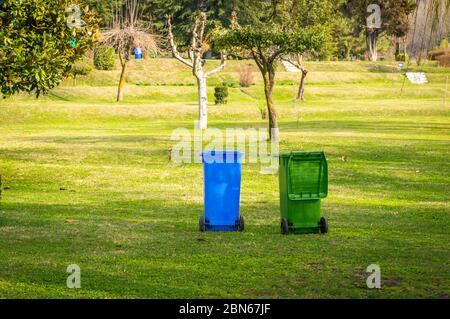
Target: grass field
(88,181)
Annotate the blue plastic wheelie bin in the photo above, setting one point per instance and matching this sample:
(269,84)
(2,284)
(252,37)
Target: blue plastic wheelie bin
(222,172)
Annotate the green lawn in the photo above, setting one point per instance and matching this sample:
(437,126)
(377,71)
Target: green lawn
(88,181)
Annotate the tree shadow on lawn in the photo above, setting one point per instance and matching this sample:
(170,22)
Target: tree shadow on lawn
(385,171)
(388,169)
(407,151)
(118,138)
(153,248)
(389,185)
(376,126)
(202,276)
(100,278)
(180,214)
(154,218)
(90,153)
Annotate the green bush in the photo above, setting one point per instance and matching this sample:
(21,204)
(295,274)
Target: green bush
(104,57)
(152,54)
(80,68)
(402,57)
(221,94)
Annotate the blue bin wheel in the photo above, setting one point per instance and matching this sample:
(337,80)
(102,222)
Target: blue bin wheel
(241,224)
(284,226)
(202,224)
(323,225)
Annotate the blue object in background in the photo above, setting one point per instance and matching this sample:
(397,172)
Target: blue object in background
(222,172)
(73,42)
(138,53)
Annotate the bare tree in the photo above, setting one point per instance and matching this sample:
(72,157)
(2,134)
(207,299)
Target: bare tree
(127,33)
(197,63)
(297,61)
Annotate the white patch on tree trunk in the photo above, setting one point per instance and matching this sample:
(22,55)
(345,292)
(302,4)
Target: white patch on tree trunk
(372,45)
(202,104)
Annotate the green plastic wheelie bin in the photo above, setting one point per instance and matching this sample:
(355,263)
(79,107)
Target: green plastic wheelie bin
(303,178)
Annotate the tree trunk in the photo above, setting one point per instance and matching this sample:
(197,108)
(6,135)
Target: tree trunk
(347,51)
(397,47)
(202,103)
(123,63)
(372,41)
(301,88)
(269,83)
(405,43)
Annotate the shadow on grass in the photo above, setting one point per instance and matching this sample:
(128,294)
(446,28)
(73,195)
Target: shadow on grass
(397,127)
(152,248)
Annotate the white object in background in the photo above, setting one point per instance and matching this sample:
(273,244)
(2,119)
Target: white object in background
(417,77)
(290,67)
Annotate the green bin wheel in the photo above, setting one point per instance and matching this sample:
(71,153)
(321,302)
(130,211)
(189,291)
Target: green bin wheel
(323,225)
(201,224)
(284,227)
(241,224)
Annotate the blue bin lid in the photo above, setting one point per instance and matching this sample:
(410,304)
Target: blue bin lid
(222,156)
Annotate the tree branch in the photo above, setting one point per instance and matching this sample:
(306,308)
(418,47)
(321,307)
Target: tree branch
(197,35)
(222,65)
(274,56)
(194,36)
(197,44)
(297,64)
(202,30)
(263,61)
(174,46)
(258,62)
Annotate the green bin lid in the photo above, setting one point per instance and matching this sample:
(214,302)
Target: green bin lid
(307,175)
(305,154)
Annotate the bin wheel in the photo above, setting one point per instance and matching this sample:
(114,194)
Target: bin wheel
(284,227)
(241,224)
(201,224)
(323,225)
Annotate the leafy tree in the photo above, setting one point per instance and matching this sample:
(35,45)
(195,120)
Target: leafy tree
(37,45)
(394,18)
(104,57)
(278,28)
